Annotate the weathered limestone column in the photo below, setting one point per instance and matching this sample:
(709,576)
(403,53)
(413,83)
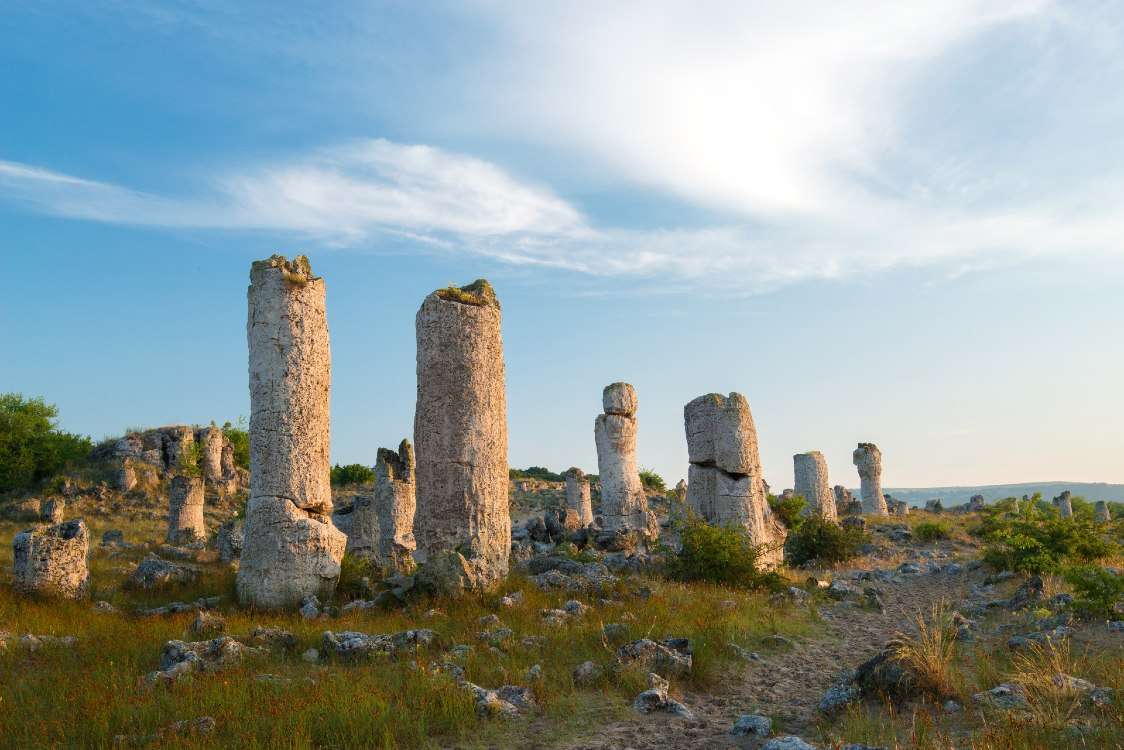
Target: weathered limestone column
(868,460)
(291,549)
(1064,504)
(724,479)
(811,481)
(976,503)
(462,526)
(843,498)
(53,510)
(681,490)
(210,462)
(185,510)
(52,560)
(395,503)
(577,497)
(624,506)
(126,477)
(1101,513)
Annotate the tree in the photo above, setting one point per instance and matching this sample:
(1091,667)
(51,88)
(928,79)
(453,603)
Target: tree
(652,481)
(32,448)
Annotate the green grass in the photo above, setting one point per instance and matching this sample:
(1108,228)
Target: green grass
(85,695)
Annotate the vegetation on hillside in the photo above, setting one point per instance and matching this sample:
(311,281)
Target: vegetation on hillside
(32,447)
(352,474)
(652,481)
(535,472)
(820,540)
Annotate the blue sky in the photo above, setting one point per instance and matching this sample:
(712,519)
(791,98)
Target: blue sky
(889,222)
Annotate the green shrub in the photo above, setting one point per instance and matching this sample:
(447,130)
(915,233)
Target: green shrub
(1038,542)
(788,509)
(930,531)
(535,472)
(820,540)
(652,481)
(239,439)
(718,554)
(32,447)
(1098,590)
(352,474)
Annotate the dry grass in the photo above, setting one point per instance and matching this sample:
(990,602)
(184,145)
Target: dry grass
(931,654)
(85,695)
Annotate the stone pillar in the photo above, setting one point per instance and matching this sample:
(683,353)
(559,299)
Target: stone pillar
(934,506)
(724,479)
(185,510)
(1064,504)
(291,549)
(1101,513)
(843,498)
(53,510)
(126,478)
(681,490)
(52,560)
(624,506)
(868,460)
(462,526)
(976,503)
(578,503)
(177,442)
(395,503)
(210,461)
(811,481)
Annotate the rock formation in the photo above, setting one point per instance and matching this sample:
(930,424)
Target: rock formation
(53,510)
(126,477)
(811,481)
(724,482)
(843,498)
(868,460)
(166,449)
(185,510)
(934,506)
(976,503)
(394,506)
(681,490)
(1064,504)
(291,549)
(462,526)
(1101,512)
(578,503)
(52,560)
(898,507)
(624,506)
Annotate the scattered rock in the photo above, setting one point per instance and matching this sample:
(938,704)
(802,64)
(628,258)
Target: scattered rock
(752,725)
(1007,696)
(51,561)
(587,673)
(207,623)
(180,658)
(154,572)
(671,656)
(787,743)
(655,698)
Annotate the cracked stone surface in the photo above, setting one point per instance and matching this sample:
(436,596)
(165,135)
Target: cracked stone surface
(291,549)
(724,479)
(185,510)
(462,526)
(624,506)
(52,560)
(868,460)
(577,496)
(395,503)
(811,481)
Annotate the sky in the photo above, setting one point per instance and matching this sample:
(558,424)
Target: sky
(899,223)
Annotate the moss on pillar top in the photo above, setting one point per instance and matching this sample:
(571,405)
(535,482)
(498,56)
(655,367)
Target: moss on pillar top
(478,293)
(298,271)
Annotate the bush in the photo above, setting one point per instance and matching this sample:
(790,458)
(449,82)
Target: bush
(535,472)
(1038,543)
(32,448)
(1098,590)
(822,541)
(352,474)
(788,509)
(652,481)
(930,531)
(239,441)
(718,554)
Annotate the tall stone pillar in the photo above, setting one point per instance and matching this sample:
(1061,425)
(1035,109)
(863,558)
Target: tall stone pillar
(291,549)
(624,506)
(185,510)
(868,460)
(395,503)
(1101,512)
(1064,504)
(577,497)
(811,481)
(724,479)
(462,526)
(210,462)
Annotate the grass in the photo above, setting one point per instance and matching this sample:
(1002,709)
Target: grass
(931,654)
(386,703)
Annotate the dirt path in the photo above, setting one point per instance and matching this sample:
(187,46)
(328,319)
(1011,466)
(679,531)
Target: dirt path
(785,686)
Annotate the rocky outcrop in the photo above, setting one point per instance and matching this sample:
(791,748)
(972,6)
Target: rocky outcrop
(935,505)
(624,506)
(897,507)
(1064,504)
(173,449)
(229,538)
(811,482)
(1101,512)
(53,510)
(52,561)
(462,526)
(724,480)
(868,460)
(578,504)
(843,499)
(976,503)
(185,510)
(395,504)
(291,549)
